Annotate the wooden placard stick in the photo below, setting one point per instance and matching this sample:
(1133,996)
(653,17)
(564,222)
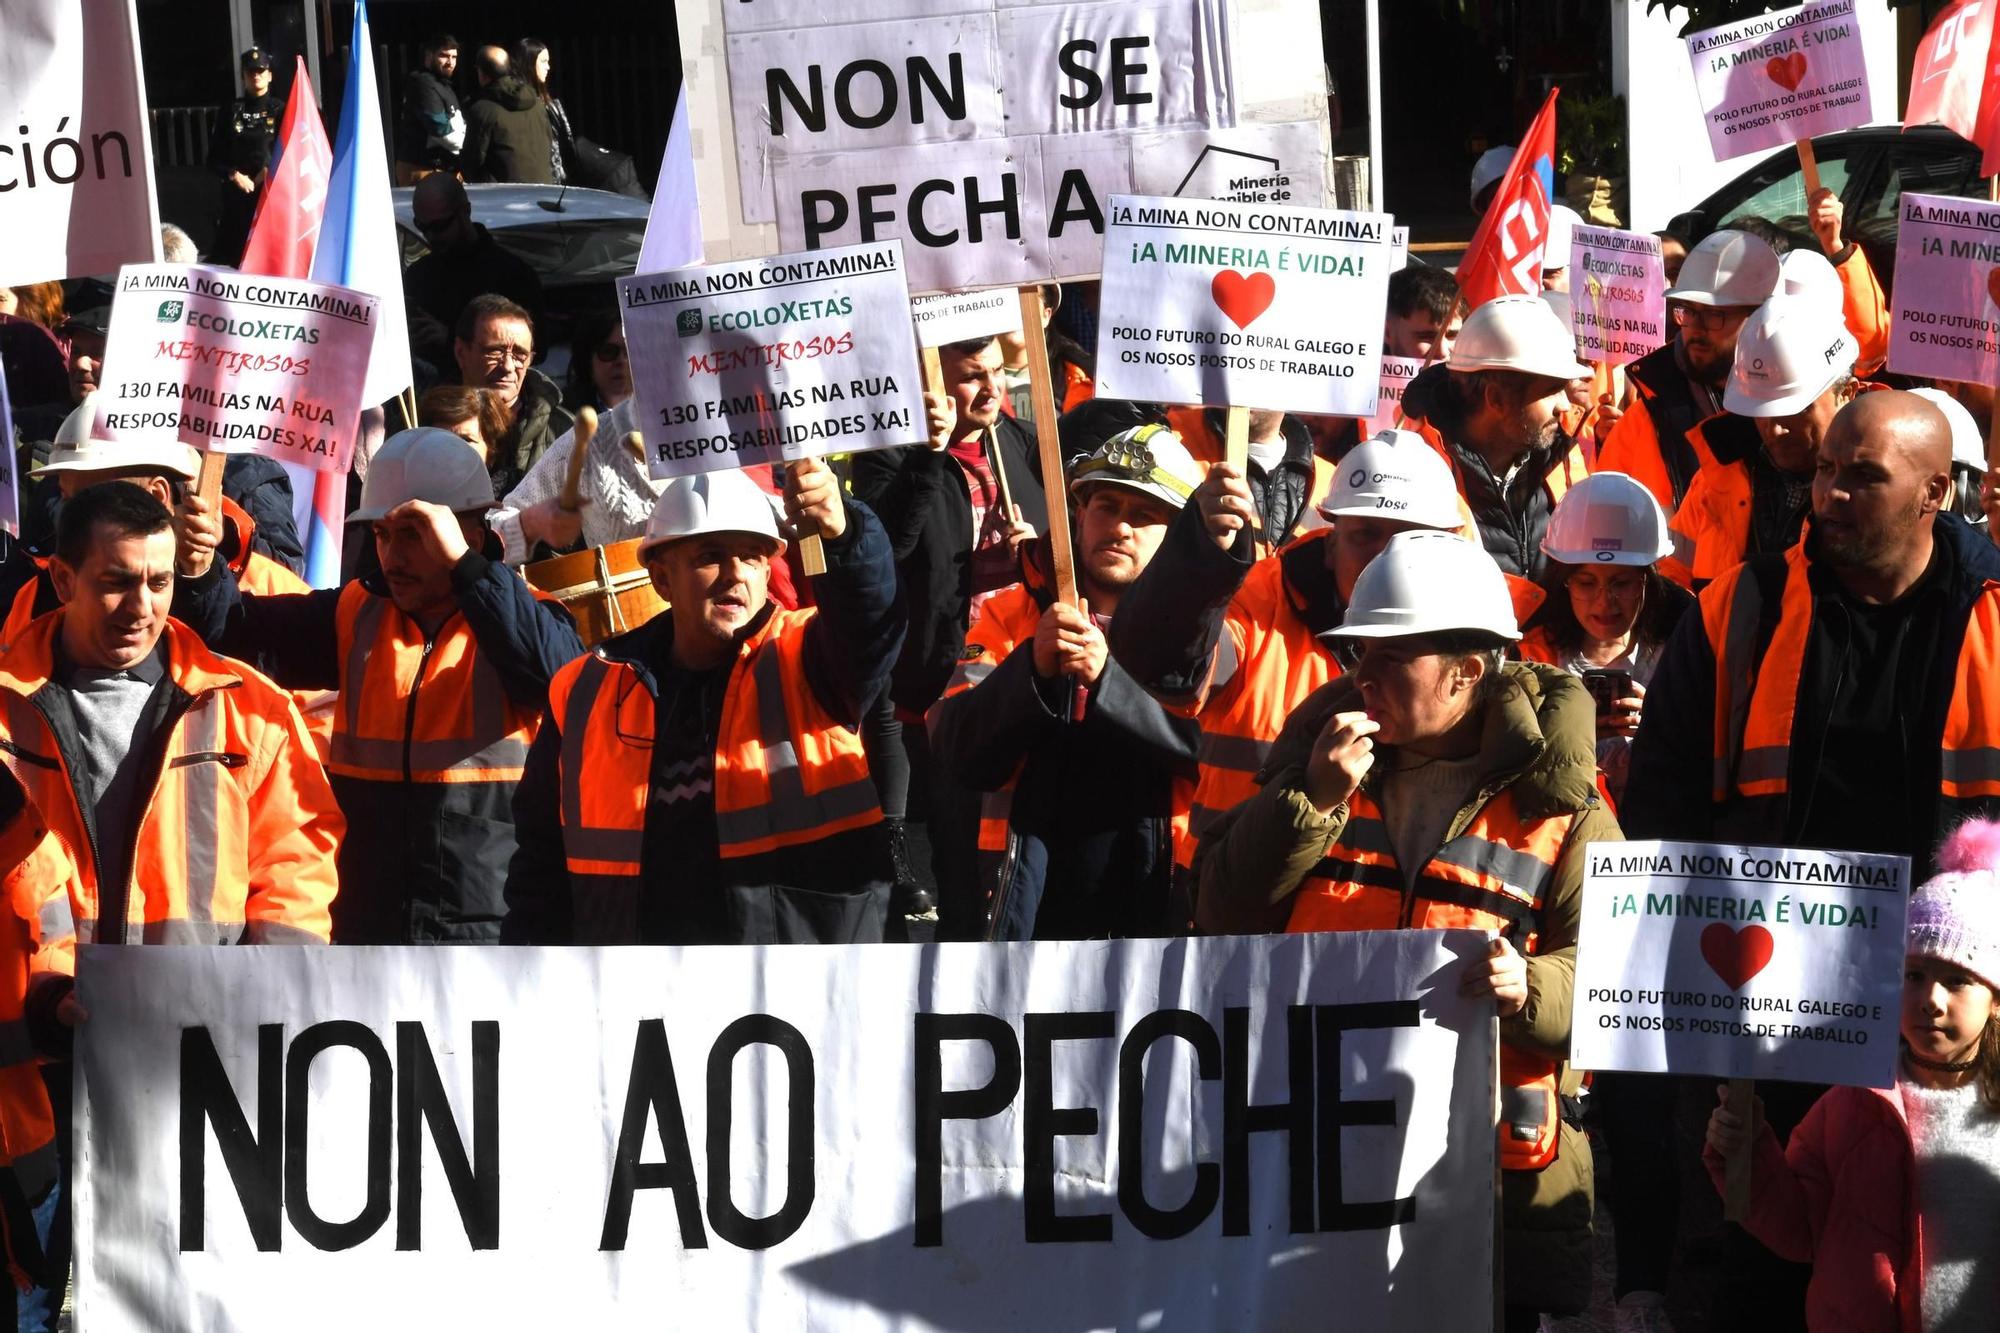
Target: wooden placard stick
(209,484)
(1809,165)
(812,553)
(1042,386)
(1236,440)
(992,438)
(1736,1169)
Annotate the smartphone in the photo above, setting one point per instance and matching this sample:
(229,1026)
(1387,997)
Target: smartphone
(1607,686)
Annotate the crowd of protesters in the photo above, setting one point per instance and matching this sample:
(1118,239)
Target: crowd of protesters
(1351,683)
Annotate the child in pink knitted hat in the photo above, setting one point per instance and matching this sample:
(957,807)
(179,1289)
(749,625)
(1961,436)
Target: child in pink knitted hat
(1893,1195)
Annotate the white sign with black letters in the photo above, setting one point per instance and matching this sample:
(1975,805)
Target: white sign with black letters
(1207,1133)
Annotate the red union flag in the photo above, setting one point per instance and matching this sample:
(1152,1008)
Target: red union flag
(1505,257)
(1953,79)
(286,232)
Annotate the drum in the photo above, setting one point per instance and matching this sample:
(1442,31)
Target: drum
(606,588)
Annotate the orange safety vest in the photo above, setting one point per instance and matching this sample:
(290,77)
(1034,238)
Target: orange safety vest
(236,841)
(1538,645)
(1495,875)
(413,708)
(36,877)
(1004,622)
(1269,660)
(787,772)
(1756,698)
(261,576)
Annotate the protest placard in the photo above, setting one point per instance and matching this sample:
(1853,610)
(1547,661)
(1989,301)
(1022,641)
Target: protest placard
(773,360)
(832,127)
(1399,248)
(10,485)
(956,317)
(1397,372)
(1213,1133)
(1243,305)
(236,363)
(1947,295)
(1740,962)
(1779,78)
(1617,293)
(76,172)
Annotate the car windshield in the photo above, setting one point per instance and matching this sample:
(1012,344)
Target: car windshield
(1783,201)
(576,251)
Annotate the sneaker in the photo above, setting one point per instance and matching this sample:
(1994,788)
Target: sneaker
(1643,1312)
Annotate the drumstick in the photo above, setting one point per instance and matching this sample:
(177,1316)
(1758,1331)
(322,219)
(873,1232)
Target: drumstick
(586,427)
(636,442)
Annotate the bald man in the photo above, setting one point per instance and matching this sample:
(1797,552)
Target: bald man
(1842,694)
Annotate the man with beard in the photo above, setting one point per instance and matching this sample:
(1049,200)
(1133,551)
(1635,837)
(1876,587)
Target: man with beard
(1493,410)
(1083,771)
(1721,282)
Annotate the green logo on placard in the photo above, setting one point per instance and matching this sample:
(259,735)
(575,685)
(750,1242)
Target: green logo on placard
(687,323)
(171,311)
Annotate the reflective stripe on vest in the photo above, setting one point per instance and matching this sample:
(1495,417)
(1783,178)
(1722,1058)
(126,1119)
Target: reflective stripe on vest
(786,771)
(440,711)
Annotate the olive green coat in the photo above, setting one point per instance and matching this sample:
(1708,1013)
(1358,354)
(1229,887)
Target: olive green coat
(1540,739)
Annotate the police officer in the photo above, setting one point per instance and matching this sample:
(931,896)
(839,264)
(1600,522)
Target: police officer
(240,155)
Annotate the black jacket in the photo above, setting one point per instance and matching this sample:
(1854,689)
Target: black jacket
(1512,516)
(1671,404)
(1668,792)
(926,509)
(422,862)
(243,135)
(507,135)
(429,104)
(1090,839)
(831,890)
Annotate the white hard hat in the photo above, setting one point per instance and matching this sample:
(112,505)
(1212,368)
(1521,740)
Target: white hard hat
(1149,459)
(1395,475)
(1791,350)
(1967,444)
(1564,306)
(1607,519)
(706,502)
(1727,268)
(1517,333)
(1555,249)
(80,446)
(424,464)
(1429,583)
(1807,273)
(1490,167)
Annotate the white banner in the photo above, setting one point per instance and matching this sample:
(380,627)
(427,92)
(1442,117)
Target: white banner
(773,360)
(1741,962)
(1243,305)
(957,317)
(236,363)
(76,167)
(826,124)
(1617,294)
(1215,1133)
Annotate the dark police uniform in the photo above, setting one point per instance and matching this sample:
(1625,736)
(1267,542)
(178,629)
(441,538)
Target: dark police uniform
(242,142)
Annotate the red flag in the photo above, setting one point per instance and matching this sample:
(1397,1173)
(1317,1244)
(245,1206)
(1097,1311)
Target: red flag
(286,231)
(1505,257)
(1955,78)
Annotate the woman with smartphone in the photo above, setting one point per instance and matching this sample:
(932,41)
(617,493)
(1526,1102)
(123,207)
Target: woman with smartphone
(1612,609)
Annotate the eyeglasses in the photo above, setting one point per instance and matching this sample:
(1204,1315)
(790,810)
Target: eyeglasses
(610,353)
(502,356)
(1709,319)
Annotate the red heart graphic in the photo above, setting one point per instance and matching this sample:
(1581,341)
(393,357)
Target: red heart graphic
(1787,71)
(1241,298)
(1993,284)
(1736,955)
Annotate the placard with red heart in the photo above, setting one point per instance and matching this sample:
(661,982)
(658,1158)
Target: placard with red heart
(1243,297)
(1736,955)
(1788,72)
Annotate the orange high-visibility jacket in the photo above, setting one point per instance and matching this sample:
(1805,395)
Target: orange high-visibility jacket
(1653,441)
(788,773)
(1191,424)
(1756,698)
(36,880)
(236,840)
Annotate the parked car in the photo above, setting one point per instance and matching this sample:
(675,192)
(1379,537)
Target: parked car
(579,242)
(1869,168)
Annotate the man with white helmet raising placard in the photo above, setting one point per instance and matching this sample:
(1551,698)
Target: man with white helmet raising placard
(1493,410)
(701,779)
(1083,772)
(1235,643)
